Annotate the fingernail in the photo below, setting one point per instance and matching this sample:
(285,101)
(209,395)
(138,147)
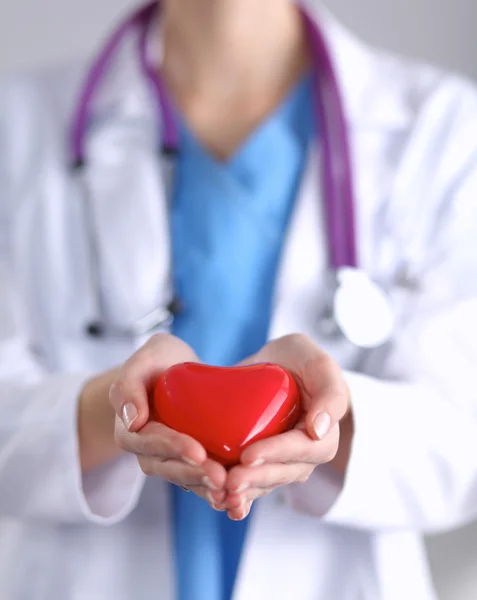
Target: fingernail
(190,462)
(129,415)
(213,504)
(241,488)
(322,424)
(208,483)
(236,518)
(243,514)
(257,463)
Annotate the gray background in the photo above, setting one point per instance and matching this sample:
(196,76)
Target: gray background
(33,32)
(36,32)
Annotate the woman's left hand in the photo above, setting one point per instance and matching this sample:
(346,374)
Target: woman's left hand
(292,456)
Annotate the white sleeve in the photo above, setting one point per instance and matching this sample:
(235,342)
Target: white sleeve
(413,460)
(40,475)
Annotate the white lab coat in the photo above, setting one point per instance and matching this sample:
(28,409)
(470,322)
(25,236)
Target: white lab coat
(413,467)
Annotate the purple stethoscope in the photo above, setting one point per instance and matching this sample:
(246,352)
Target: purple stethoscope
(358,308)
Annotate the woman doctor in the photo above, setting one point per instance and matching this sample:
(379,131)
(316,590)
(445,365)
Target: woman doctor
(237,221)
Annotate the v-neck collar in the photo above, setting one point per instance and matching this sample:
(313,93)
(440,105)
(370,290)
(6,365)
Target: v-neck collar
(288,124)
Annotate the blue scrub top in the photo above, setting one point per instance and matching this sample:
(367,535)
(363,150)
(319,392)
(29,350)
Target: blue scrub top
(229,221)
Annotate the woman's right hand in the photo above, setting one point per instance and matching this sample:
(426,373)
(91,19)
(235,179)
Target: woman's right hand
(161,451)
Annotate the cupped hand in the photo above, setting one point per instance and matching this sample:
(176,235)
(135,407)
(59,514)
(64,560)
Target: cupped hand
(292,456)
(161,451)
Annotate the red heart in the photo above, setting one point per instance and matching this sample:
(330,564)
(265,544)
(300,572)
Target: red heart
(226,408)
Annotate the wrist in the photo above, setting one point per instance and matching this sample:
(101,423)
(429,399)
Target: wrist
(96,419)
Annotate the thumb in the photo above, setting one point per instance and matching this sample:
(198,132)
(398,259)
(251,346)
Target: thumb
(129,393)
(329,401)
(129,398)
(250,360)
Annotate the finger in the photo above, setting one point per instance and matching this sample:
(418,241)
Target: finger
(215,475)
(329,400)
(236,501)
(129,392)
(241,513)
(214,499)
(174,471)
(299,473)
(243,479)
(324,393)
(159,441)
(294,446)
(290,352)
(211,475)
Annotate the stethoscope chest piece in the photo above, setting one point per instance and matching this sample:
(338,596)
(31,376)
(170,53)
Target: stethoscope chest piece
(362,310)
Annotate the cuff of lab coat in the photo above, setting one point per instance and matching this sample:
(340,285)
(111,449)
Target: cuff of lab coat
(111,492)
(329,495)
(352,502)
(412,462)
(57,490)
(317,496)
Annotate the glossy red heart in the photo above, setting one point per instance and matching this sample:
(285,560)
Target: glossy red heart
(227,408)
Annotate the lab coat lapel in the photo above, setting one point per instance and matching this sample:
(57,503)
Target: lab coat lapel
(271,567)
(304,259)
(367,79)
(129,206)
(372,112)
(129,191)
(304,286)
